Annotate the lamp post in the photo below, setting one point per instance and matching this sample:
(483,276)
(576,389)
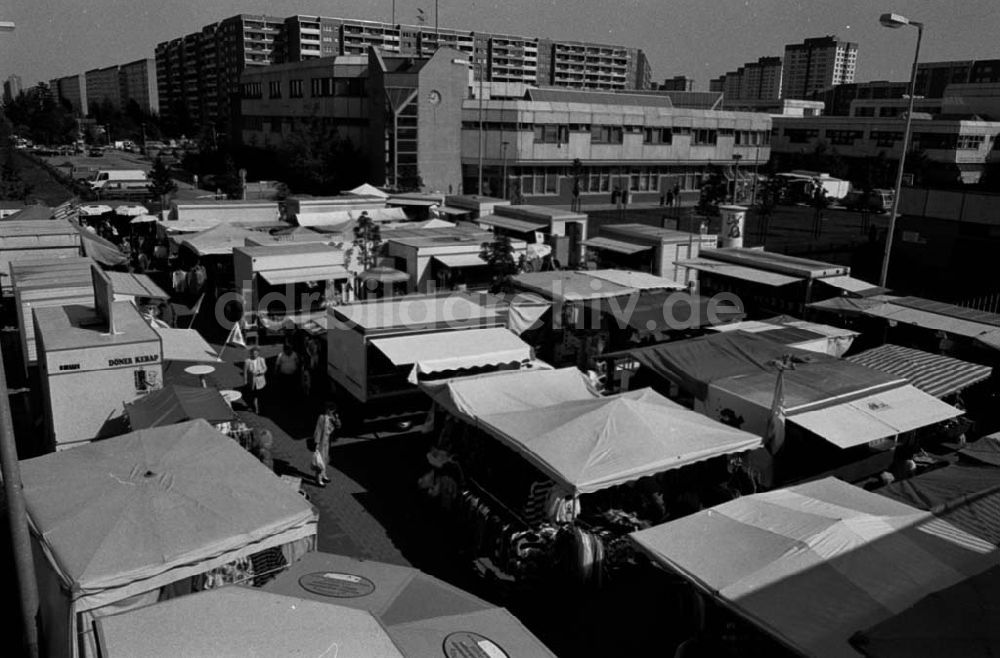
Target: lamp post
(736,173)
(482,136)
(895,21)
(503,150)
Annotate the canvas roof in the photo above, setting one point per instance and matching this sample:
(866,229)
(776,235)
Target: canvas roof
(185,345)
(135,285)
(455,350)
(637,280)
(569,286)
(593,444)
(413,311)
(854,286)
(103,251)
(741,272)
(240,621)
(654,311)
(696,362)
(508,391)
(934,374)
(147,507)
(813,563)
(175,404)
(219,240)
(366,189)
(617,246)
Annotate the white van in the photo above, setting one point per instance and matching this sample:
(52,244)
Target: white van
(103,176)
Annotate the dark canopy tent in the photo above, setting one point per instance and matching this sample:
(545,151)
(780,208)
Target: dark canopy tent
(694,363)
(176,404)
(960,620)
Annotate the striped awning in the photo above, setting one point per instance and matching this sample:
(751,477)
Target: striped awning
(932,373)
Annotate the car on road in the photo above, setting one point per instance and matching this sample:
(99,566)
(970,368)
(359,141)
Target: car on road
(876,201)
(95,153)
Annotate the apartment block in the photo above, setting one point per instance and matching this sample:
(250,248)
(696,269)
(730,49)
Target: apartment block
(934,77)
(816,64)
(678,83)
(138,84)
(839,100)
(12,88)
(103,86)
(760,80)
(73,90)
(198,74)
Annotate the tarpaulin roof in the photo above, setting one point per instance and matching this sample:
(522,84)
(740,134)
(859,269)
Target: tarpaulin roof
(812,564)
(810,336)
(511,223)
(455,350)
(694,363)
(419,611)
(135,285)
(960,620)
(652,311)
(617,246)
(103,251)
(175,404)
(185,345)
(569,286)
(878,416)
(589,445)
(460,260)
(932,373)
(137,508)
(984,451)
(219,240)
(965,495)
(241,621)
(637,280)
(303,274)
(507,391)
(856,287)
(932,317)
(336,217)
(740,272)
(849,305)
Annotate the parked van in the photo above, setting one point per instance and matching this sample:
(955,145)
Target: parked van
(877,201)
(103,176)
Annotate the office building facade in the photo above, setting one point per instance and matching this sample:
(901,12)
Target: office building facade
(817,64)
(198,74)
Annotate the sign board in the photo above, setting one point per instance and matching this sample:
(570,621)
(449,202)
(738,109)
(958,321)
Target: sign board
(337,585)
(733,223)
(104,296)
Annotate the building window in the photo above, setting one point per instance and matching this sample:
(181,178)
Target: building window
(253,123)
(970,142)
(843,137)
(551,134)
(295,89)
(276,124)
(606,134)
(800,135)
(251,90)
(657,136)
(274,89)
(320,87)
(704,137)
(934,141)
(885,138)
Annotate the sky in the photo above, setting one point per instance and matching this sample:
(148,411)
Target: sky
(701,39)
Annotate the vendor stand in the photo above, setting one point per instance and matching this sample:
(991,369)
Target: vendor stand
(126,522)
(544,477)
(809,566)
(177,404)
(35,240)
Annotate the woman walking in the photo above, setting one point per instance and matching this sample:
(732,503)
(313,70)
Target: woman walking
(254,371)
(327,423)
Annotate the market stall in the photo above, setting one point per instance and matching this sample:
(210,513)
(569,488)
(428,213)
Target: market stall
(810,336)
(812,564)
(150,515)
(936,375)
(35,240)
(92,360)
(237,621)
(283,283)
(420,612)
(540,459)
(176,404)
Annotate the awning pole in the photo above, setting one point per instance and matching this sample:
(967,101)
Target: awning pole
(20,537)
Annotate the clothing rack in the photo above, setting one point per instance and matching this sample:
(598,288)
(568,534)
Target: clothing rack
(481,490)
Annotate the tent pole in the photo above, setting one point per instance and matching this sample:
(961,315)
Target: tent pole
(17,517)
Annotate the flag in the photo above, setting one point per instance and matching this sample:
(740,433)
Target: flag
(235,336)
(774,435)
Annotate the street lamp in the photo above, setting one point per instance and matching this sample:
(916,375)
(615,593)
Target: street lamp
(895,21)
(503,150)
(482,146)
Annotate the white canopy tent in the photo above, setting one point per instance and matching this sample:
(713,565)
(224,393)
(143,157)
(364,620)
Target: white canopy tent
(239,621)
(454,350)
(367,189)
(185,345)
(589,445)
(114,522)
(814,563)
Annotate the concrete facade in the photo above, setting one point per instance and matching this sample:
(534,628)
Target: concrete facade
(816,64)
(12,88)
(138,83)
(103,85)
(73,90)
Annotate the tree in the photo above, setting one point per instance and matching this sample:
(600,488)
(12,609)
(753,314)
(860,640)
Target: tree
(499,257)
(768,196)
(229,179)
(713,192)
(161,183)
(12,186)
(367,245)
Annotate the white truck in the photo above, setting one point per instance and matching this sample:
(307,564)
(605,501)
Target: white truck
(800,184)
(102,177)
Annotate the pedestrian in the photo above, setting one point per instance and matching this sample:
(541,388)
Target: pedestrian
(286,368)
(677,194)
(327,423)
(254,378)
(263,442)
(670,199)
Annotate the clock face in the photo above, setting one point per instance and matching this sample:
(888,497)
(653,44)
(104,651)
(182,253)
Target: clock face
(434,97)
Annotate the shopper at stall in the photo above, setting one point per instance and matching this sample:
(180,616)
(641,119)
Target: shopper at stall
(254,378)
(327,423)
(286,369)
(263,442)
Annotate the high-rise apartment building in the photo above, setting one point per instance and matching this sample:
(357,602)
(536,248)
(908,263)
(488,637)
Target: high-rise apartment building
(678,83)
(12,88)
(816,64)
(73,90)
(103,86)
(138,84)
(198,74)
(933,77)
(760,80)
